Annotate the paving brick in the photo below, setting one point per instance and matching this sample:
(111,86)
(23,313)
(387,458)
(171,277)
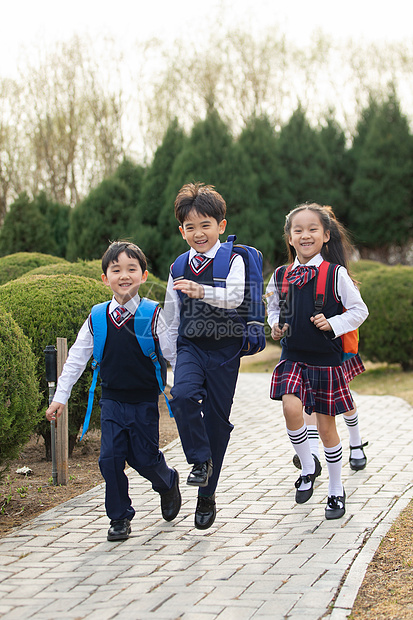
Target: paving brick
(264,558)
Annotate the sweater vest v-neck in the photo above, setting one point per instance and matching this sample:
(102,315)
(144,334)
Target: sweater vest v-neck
(205,325)
(304,342)
(127,375)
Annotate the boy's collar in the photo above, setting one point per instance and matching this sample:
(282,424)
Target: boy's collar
(130,305)
(210,254)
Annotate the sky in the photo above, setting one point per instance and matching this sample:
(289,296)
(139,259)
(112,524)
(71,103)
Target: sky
(25,23)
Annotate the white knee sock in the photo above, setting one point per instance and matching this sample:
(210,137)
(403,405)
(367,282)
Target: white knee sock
(334,460)
(313,438)
(352,423)
(301,445)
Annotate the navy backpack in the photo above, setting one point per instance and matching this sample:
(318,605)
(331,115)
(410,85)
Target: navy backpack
(251,313)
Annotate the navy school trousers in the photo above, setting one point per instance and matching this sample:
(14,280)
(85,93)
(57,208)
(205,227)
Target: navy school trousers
(130,432)
(202,396)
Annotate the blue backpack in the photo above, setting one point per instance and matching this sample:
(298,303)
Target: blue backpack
(251,313)
(143,330)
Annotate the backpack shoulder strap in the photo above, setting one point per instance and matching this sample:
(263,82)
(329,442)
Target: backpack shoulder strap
(178,266)
(143,331)
(282,272)
(220,266)
(320,288)
(100,330)
(143,325)
(326,275)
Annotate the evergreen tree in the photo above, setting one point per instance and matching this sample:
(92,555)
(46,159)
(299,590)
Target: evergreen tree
(209,155)
(57,216)
(26,229)
(339,169)
(382,190)
(304,161)
(145,221)
(260,143)
(132,175)
(103,216)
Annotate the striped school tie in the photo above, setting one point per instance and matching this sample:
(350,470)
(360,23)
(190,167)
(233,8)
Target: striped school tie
(301,275)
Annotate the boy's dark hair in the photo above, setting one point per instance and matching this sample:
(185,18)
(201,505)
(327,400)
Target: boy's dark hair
(203,199)
(117,247)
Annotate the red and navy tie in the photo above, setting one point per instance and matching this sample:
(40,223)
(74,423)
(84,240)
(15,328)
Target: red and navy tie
(120,313)
(301,275)
(197,262)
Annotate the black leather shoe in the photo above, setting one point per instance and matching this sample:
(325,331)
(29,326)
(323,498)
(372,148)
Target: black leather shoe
(119,530)
(200,474)
(171,500)
(336,506)
(297,464)
(303,496)
(205,512)
(358,464)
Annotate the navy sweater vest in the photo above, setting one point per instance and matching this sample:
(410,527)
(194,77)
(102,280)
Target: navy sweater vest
(207,326)
(127,375)
(304,342)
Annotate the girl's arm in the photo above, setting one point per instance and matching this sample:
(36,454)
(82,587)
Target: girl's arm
(356,310)
(272,298)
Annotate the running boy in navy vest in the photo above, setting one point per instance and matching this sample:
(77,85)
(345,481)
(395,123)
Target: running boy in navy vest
(129,404)
(208,343)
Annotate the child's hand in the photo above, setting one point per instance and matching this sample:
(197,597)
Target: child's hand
(321,322)
(277,333)
(190,288)
(54,410)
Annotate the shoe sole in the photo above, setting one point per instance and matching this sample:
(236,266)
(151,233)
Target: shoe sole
(337,514)
(117,538)
(357,467)
(207,525)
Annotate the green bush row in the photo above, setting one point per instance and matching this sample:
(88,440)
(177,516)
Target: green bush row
(19,390)
(53,299)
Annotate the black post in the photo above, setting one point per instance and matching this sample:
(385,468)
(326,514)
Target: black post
(50,355)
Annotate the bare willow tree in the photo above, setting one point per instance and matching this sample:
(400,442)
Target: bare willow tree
(74,121)
(244,76)
(14,166)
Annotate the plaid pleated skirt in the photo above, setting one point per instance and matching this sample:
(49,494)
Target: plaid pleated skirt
(353,367)
(321,389)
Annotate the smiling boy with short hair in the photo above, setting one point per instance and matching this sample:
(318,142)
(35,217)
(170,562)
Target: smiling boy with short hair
(208,344)
(129,403)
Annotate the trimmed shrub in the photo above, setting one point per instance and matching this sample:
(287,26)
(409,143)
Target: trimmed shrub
(19,392)
(359,268)
(154,288)
(15,265)
(387,335)
(48,307)
(88,269)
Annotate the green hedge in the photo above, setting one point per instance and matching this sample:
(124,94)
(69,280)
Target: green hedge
(387,335)
(154,288)
(19,392)
(48,307)
(87,269)
(14,266)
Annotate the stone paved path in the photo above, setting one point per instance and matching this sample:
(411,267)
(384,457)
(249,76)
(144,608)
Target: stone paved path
(265,558)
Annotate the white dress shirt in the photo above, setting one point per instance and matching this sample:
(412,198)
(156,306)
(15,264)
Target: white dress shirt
(229,297)
(82,349)
(356,310)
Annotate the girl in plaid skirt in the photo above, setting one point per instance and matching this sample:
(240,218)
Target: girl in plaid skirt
(310,373)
